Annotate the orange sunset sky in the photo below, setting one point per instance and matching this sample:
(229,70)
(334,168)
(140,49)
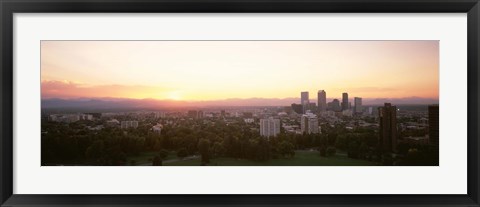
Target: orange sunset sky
(214,70)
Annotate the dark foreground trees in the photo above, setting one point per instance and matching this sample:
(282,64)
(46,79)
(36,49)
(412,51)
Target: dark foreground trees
(204,149)
(158,159)
(182,153)
(72,144)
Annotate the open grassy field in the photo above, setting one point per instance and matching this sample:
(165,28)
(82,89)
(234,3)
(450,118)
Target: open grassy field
(302,158)
(146,158)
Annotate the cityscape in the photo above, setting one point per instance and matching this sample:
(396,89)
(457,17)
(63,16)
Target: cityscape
(313,128)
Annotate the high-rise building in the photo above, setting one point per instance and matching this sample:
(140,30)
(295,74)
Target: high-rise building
(269,127)
(335,105)
(388,127)
(344,101)
(433,124)
(322,100)
(358,105)
(297,108)
(309,124)
(304,100)
(312,107)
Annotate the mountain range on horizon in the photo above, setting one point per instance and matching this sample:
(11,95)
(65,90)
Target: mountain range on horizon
(109,103)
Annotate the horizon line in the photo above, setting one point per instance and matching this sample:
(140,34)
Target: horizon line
(225,99)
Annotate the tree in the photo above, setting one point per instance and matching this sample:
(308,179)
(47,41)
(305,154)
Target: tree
(231,146)
(114,156)
(387,159)
(218,149)
(264,150)
(95,151)
(204,148)
(158,159)
(133,162)
(420,156)
(362,151)
(322,150)
(157,145)
(353,150)
(163,154)
(331,151)
(286,149)
(182,153)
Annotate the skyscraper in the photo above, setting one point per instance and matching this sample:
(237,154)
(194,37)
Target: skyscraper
(388,127)
(335,105)
(312,107)
(322,100)
(358,105)
(344,101)
(433,124)
(297,108)
(269,127)
(304,100)
(309,124)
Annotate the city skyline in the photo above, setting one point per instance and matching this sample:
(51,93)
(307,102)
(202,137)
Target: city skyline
(254,102)
(220,70)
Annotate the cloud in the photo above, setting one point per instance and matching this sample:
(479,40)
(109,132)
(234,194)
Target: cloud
(68,89)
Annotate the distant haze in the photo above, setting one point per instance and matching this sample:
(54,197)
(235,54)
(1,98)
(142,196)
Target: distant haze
(109,103)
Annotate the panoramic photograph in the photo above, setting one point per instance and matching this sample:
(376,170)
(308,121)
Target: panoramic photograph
(239,103)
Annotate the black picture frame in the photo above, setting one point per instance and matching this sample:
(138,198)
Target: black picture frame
(9,7)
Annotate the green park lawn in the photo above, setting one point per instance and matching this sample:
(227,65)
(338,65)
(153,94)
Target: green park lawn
(146,158)
(302,158)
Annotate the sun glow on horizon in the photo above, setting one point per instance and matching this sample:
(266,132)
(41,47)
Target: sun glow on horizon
(218,70)
(175,95)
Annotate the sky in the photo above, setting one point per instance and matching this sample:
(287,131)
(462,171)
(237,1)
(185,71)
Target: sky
(217,70)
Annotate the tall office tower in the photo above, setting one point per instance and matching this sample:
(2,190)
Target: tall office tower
(312,107)
(388,127)
(433,124)
(304,100)
(298,108)
(309,124)
(358,105)
(269,127)
(336,105)
(322,100)
(344,101)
